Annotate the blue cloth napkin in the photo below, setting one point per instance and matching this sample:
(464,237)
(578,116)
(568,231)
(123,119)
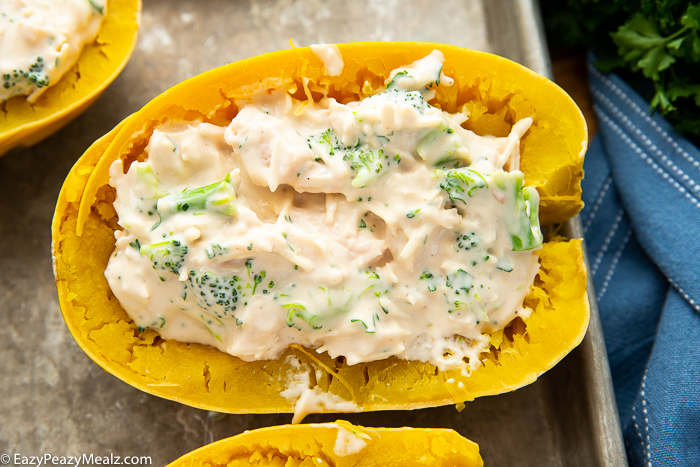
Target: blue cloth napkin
(642,227)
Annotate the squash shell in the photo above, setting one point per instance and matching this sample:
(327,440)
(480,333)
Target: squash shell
(314,445)
(203,377)
(23,124)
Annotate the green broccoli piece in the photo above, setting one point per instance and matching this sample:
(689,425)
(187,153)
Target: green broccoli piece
(394,83)
(297,310)
(214,293)
(218,197)
(370,328)
(504,264)
(466,241)
(524,225)
(147,178)
(99,8)
(221,294)
(460,280)
(209,322)
(216,250)
(325,143)
(439,146)
(459,184)
(145,174)
(33,76)
(368,164)
(327,303)
(167,256)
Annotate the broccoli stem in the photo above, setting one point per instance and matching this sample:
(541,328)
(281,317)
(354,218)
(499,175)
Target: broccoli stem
(522,222)
(217,197)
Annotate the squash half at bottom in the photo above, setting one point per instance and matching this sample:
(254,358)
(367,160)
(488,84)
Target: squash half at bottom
(499,91)
(337,444)
(25,124)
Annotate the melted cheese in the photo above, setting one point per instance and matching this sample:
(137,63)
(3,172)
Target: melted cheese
(366,230)
(40,40)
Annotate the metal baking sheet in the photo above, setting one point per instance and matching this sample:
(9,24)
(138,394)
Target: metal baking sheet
(54,399)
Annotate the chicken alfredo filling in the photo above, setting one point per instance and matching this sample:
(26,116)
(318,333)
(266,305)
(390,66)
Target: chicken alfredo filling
(40,40)
(364,230)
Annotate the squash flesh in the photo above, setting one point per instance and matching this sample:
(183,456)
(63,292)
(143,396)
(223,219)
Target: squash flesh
(314,445)
(25,124)
(202,376)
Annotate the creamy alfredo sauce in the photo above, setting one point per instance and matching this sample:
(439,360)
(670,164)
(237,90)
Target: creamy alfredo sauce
(372,229)
(42,39)
(330,56)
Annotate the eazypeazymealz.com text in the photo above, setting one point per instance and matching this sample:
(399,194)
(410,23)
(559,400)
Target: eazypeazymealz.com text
(84,459)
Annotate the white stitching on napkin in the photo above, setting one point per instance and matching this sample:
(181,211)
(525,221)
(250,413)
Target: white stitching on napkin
(597,203)
(685,295)
(636,427)
(646,140)
(613,265)
(646,158)
(620,93)
(608,239)
(647,444)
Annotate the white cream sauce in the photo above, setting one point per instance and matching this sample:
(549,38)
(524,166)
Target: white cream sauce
(330,56)
(372,229)
(42,39)
(349,442)
(308,398)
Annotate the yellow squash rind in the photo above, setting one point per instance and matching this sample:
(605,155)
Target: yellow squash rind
(23,124)
(315,445)
(201,376)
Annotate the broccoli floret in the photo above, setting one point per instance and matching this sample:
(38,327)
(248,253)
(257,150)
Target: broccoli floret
(33,76)
(460,281)
(368,164)
(325,143)
(459,184)
(159,323)
(466,241)
(221,295)
(218,197)
(522,223)
(429,279)
(167,256)
(214,293)
(216,250)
